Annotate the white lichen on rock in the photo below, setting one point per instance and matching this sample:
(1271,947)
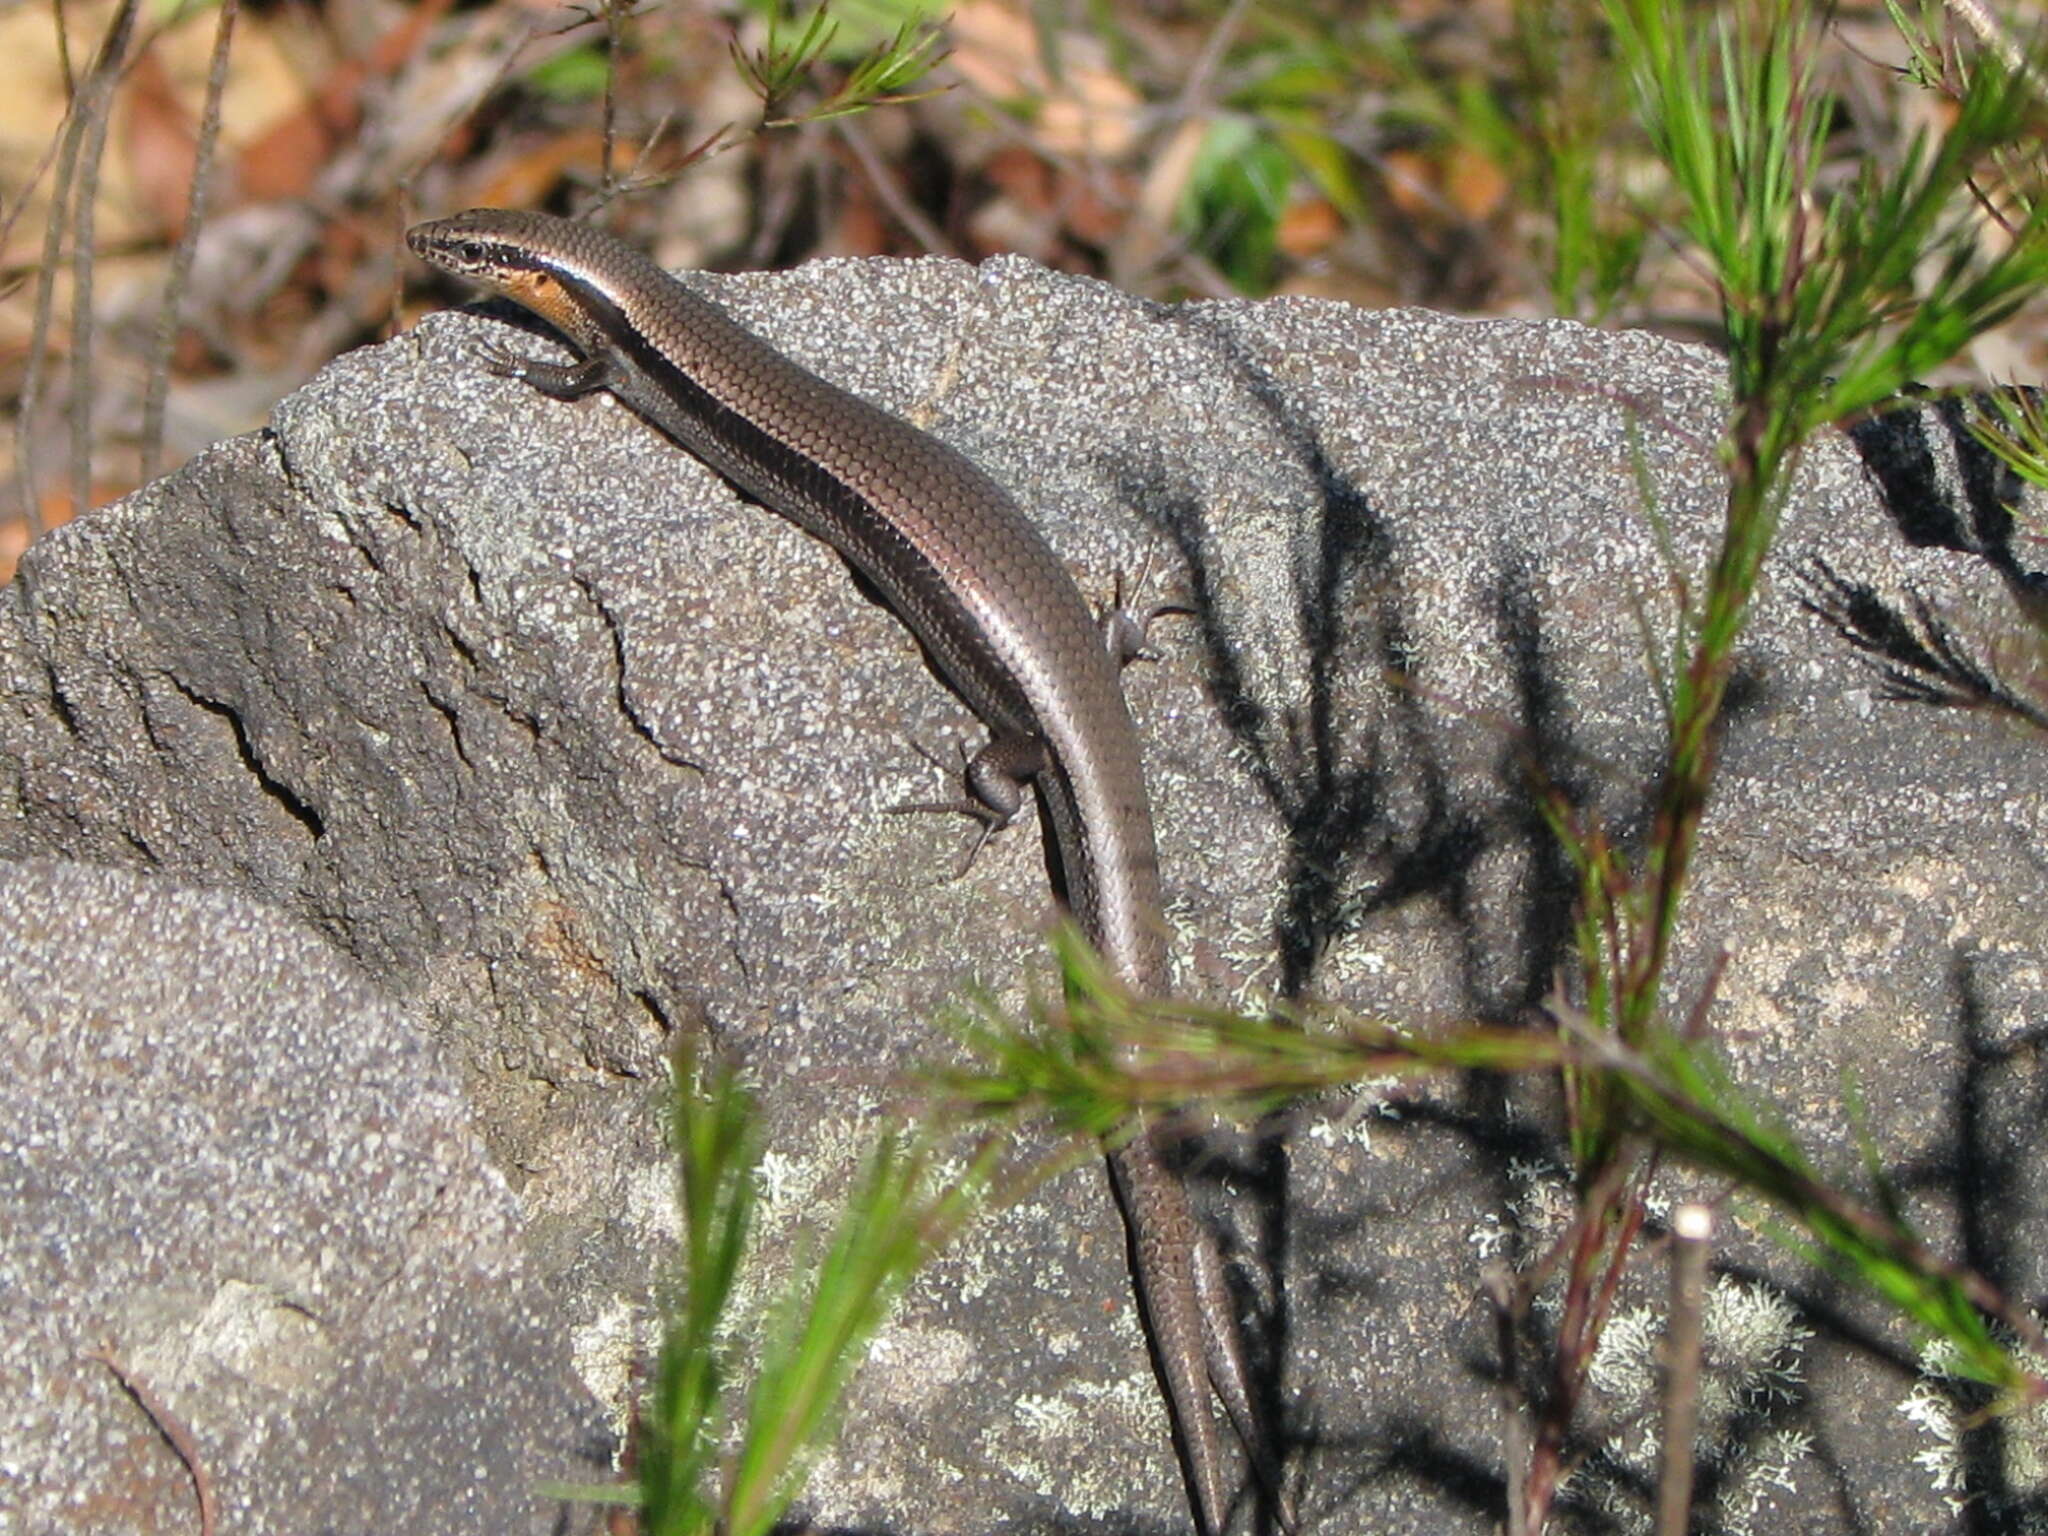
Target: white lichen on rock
(1942,1405)
(1751,1361)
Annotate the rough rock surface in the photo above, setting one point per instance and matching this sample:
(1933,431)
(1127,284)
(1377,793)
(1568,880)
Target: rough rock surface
(232,1166)
(571,749)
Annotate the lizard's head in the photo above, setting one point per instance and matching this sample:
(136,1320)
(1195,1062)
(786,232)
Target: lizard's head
(527,257)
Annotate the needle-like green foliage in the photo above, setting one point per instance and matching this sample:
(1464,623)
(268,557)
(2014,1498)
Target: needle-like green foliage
(689,1482)
(897,1217)
(884,74)
(1833,300)
(1678,1092)
(718,1147)
(1096,1061)
(1828,307)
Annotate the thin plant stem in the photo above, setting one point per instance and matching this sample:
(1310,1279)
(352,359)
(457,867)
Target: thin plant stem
(95,106)
(1975,15)
(157,390)
(1692,1231)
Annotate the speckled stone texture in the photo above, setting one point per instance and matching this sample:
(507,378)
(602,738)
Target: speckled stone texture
(571,749)
(234,1168)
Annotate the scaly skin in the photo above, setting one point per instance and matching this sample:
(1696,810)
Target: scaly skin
(966,570)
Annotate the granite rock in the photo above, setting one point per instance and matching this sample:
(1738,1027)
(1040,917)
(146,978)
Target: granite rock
(572,750)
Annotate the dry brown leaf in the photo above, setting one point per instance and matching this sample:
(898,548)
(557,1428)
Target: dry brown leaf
(1308,227)
(1036,202)
(1411,183)
(1475,182)
(160,143)
(284,159)
(528,178)
(1089,110)
(55,509)
(1098,208)
(1093,112)
(1166,179)
(995,48)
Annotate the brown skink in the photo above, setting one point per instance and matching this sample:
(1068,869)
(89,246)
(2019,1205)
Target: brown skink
(966,570)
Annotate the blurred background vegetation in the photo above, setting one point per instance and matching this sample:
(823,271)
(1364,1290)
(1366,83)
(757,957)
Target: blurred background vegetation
(1471,155)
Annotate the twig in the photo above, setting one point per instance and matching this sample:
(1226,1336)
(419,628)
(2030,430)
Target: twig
(158,387)
(95,109)
(1978,18)
(24,193)
(29,406)
(1692,1231)
(171,1427)
(1499,1286)
(1610,1216)
(614,50)
(1202,73)
(926,233)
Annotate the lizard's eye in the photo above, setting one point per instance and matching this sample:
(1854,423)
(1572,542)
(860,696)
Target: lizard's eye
(472,252)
